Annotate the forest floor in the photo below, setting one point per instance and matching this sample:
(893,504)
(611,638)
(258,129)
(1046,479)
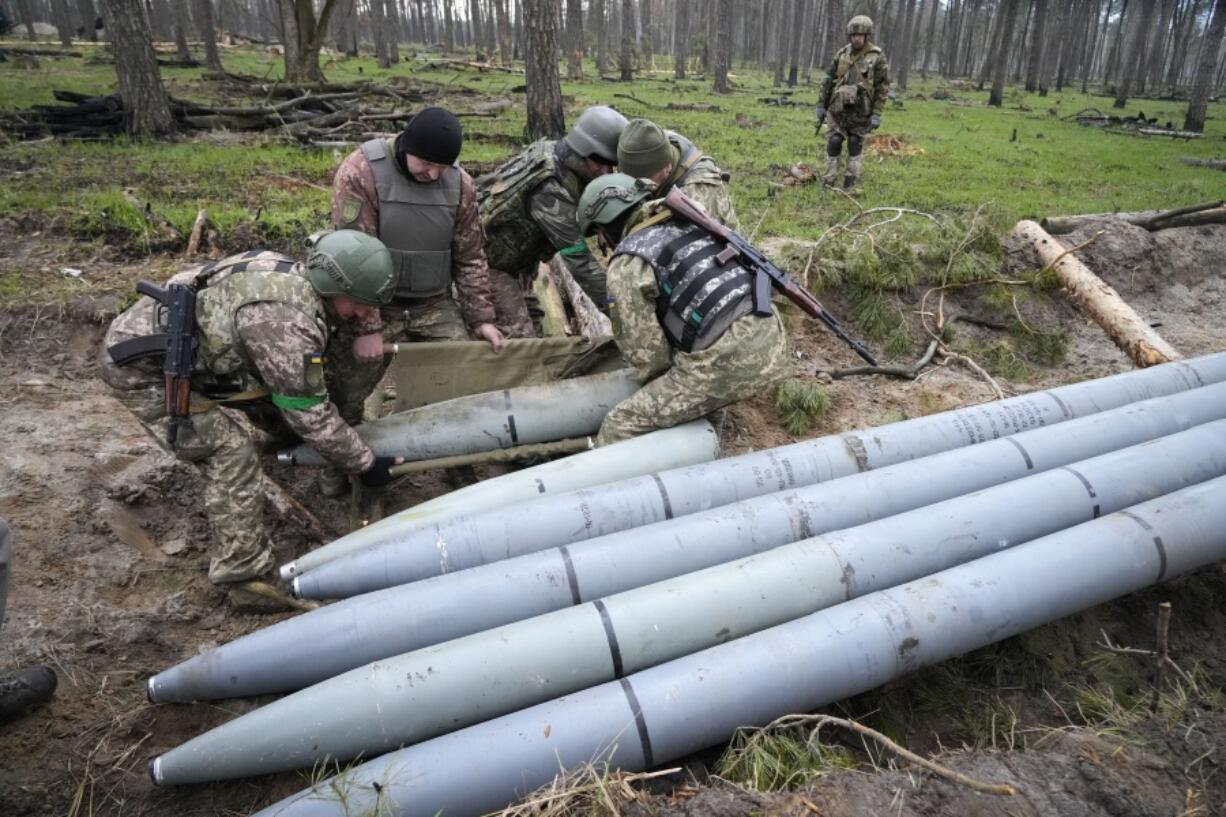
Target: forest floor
(110,542)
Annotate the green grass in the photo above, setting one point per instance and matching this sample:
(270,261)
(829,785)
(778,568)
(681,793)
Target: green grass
(800,404)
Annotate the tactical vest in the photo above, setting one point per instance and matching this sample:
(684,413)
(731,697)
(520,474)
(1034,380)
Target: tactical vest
(513,240)
(416,222)
(235,282)
(699,299)
(853,81)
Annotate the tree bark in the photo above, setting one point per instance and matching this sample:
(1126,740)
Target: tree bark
(63,22)
(1008,21)
(574,39)
(600,18)
(796,28)
(146,107)
(1136,54)
(448,28)
(1127,329)
(181,19)
(378,31)
(391,18)
(303,35)
(646,26)
(723,48)
(780,40)
(208,33)
(504,31)
(906,30)
(544,89)
(1198,100)
(1037,37)
(681,37)
(625,61)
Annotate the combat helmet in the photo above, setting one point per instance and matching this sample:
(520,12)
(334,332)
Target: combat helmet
(606,198)
(352,263)
(860,24)
(596,132)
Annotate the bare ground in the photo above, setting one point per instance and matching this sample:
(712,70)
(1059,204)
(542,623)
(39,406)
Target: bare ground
(110,554)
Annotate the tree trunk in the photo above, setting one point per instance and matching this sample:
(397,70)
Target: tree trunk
(797,27)
(1198,100)
(574,39)
(600,18)
(1127,329)
(208,33)
(906,30)
(63,21)
(1008,21)
(834,29)
(146,108)
(303,35)
(723,47)
(378,31)
(625,61)
(544,89)
(780,40)
(646,24)
(681,37)
(1135,55)
(448,28)
(181,19)
(391,19)
(1036,45)
(504,31)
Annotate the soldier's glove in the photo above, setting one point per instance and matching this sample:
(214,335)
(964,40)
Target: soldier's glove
(874,122)
(379,473)
(821,119)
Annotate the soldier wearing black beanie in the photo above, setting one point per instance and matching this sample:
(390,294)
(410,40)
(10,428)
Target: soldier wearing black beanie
(433,134)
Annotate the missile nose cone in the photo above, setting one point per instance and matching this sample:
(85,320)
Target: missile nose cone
(155,771)
(294,589)
(151,689)
(288,571)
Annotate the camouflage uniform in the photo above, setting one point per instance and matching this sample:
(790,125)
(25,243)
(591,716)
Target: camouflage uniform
(260,325)
(697,175)
(853,91)
(527,211)
(740,355)
(355,206)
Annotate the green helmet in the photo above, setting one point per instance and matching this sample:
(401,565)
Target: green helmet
(606,198)
(596,132)
(860,24)
(352,263)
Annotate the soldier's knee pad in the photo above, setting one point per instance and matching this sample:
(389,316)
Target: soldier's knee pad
(855,144)
(834,145)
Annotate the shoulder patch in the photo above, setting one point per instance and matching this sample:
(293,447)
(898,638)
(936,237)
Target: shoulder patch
(350,210)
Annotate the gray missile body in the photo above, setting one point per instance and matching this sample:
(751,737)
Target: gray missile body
(389,622)
(669,711)
(431,691)
(476,539)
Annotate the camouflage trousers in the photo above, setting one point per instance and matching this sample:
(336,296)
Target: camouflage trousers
(233,491)
(513,300)
(350,382)
(750,358)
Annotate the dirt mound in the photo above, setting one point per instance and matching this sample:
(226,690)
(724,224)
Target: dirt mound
(887,144)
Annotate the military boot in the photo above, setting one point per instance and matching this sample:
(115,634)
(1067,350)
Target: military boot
(855,165)
(831,176)
(24,689)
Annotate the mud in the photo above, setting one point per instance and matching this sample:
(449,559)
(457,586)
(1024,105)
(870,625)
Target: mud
(110,552)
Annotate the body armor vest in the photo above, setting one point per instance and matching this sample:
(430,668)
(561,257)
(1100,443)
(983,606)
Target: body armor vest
(416,222)
(513,240)
(853,81)
(229,285)
(699,299)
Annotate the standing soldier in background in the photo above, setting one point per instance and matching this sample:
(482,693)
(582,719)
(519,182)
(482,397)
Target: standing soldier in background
(686,321)
(410,193)
(647,151)
(527,209)
(853,95)
(260,330)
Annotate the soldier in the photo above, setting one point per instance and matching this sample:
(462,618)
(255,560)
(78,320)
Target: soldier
(262,340)
(647,151)
(682,319)
(409,193)
(528,213)
(853,95)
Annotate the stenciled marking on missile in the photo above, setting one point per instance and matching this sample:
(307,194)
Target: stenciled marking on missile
(640,723)
(779,469)
(1089,488)
(856,446)
(570,575)
(668,505)
(1185,369)
(1157,542)
(615,650)
(506,395)
(1068,413)
(540,485)
(1025,454)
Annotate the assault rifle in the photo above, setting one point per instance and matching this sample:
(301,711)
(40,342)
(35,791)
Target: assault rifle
(765,273)
(177,315)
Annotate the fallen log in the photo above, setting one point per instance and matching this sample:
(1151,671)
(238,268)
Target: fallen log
(555,321)
(1125,328)
(1151,220)
(1216,164)
(590,321)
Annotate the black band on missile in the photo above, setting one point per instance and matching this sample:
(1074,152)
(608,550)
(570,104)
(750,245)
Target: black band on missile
(614,650)
(1186,369)
(1025,454)
(571,578)
(640,723)
(668,505)
(1157,542)
(1064,409)
(506,395)
(1088,486)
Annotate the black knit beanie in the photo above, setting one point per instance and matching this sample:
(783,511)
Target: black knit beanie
(434,135)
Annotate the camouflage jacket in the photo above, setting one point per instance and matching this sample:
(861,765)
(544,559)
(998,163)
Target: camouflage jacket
(274,343)
(355,206)
(857,85)
(529,212)
(699,177)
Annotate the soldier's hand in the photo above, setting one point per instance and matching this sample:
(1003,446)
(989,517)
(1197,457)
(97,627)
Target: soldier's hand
(368,348)
(379,472)
(489,332)
(874,122)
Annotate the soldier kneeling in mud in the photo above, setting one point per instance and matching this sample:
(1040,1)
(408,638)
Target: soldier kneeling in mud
(685,321)
(260,325)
